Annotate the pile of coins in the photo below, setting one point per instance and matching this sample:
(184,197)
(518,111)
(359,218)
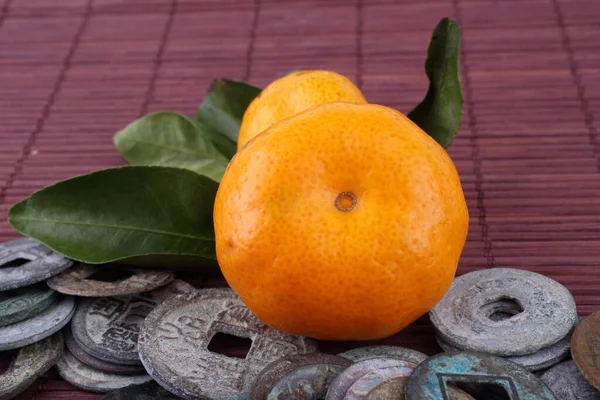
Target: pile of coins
(142,334)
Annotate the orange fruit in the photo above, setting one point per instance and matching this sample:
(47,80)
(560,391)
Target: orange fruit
(343,222)
(293,93)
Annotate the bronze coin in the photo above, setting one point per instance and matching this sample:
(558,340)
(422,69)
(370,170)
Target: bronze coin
(83,280)
(80,354)
(299,376)
(585,348)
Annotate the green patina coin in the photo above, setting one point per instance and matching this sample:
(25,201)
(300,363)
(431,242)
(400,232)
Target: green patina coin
(21,304)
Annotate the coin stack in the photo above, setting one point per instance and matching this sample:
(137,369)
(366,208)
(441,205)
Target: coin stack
(101,342)
(31,314)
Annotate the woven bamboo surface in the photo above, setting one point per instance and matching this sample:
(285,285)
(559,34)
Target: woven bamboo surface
(73,72)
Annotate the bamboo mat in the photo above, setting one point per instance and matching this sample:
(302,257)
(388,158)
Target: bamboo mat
(73,72)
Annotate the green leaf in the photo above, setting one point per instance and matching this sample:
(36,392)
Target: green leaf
(220,114)
(170,139)
(440,112)
(119,213)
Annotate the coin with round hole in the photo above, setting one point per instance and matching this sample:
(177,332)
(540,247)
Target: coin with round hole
(298,376)
(567,383)
(541,359)
(401,353)
(26,261)
(585,348)
(504,311)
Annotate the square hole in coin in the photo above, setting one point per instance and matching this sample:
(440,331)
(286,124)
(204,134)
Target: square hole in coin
(230,345)
(5,359)
(16,262)
(502,308)
(110,275)
(482,390)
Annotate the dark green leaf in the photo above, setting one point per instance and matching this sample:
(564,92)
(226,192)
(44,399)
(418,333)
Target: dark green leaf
(440,112)
(221,112)
(125,212)
(170,139)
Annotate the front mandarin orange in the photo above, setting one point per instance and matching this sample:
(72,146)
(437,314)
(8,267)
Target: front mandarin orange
(343,222)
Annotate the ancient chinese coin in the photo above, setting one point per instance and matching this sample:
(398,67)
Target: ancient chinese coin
(80,354)
(402,353)
(79,281)
(542,312)
(541,359)
(24,262)
(20,304)
(567,383)
(338,390)
(585,348)
(108,327)
(431,378)
(176,335)
(34,329)
(30,363)
(298,376)
(87,378)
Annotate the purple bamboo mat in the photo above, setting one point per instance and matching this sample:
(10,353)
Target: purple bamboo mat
(73,72)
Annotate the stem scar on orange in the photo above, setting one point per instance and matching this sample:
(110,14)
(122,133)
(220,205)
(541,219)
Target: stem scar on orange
(343,222)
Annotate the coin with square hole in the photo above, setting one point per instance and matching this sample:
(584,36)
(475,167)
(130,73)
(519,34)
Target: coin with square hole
(34,329)
(176,340)
(20,304)
(504,311)
(108,280)
(342,383)
(585,348)
(24,262)
(402,353)
(431,378)
(96,363)
(108,327)
(298,376)
(29,363)
(390,384)
(541,359)
(567,383)
(146,391)
(86,378)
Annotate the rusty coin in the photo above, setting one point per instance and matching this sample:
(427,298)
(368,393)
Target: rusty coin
(108,327)
(80,281)
(24,262)
(30,363)
(541,359)
(342,383)
(298,376)
(146,391)
(175,339)
(585,348)
(34,329)
(567,383)
(402,353)
(20,304)
(431,378)
(87,378)
(96,363)
(541,312)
